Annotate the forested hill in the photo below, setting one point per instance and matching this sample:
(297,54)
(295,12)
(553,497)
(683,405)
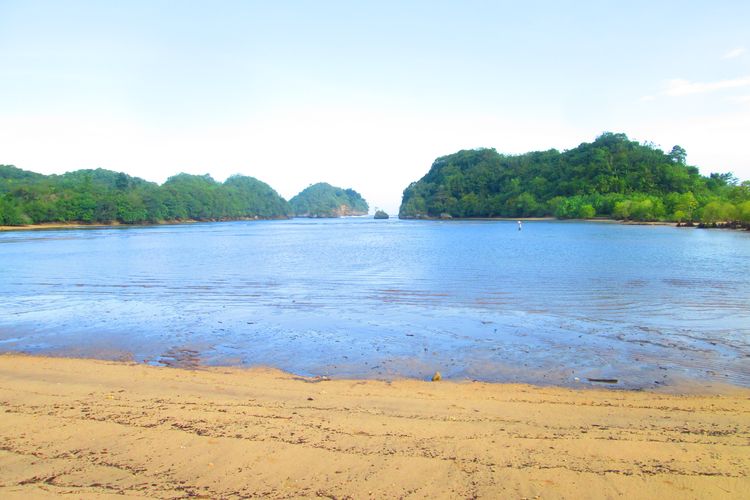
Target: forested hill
(103,196)
(610,177)
(324,200)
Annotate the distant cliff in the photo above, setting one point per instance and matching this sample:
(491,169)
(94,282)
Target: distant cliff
(324,200)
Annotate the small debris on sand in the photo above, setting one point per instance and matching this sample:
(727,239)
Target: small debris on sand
(603,380)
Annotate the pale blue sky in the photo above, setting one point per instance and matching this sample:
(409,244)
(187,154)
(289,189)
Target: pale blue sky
(363,95)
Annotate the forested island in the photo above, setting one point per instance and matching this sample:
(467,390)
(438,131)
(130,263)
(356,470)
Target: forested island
(105,197)
(324,200)
(611,177)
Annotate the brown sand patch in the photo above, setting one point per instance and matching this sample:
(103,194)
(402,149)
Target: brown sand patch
(98,429)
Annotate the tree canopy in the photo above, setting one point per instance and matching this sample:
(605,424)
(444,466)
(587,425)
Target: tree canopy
(104,196)
(610,177)
(324,200)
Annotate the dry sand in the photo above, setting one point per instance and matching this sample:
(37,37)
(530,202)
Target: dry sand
(96,429)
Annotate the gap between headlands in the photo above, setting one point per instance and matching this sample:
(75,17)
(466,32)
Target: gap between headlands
(610,178)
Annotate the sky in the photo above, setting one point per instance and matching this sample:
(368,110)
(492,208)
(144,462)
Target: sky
(364,94)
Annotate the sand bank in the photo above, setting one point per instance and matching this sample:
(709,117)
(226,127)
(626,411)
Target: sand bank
(96,225)
(54,225)
(98,429)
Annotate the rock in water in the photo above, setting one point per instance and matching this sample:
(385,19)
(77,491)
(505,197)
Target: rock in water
(437,377)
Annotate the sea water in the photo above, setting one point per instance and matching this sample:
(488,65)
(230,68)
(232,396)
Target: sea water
(554,303)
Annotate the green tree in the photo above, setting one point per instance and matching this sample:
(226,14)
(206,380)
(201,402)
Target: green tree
(743,212)
(678,155)
(622,209)
(586,211)
(9,213)
(718,211)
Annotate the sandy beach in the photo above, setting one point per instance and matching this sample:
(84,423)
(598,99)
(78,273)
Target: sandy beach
(97,429)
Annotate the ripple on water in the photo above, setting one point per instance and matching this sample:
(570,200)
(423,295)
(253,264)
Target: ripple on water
(351,298)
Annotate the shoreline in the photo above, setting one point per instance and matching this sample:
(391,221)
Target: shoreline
(79,225)
(96,225)
(99,428)
(99,225)
(75,225)
(675,384)
(545,219)
(602,220)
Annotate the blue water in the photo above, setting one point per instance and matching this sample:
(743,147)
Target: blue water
(556,303)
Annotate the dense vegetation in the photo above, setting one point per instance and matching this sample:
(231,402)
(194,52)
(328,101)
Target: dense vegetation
(104,196)
(324,200)
(611,177)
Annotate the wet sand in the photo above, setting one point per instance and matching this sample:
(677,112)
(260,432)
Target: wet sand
(97,429)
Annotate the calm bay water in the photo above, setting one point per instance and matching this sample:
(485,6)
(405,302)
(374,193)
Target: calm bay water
(558,302)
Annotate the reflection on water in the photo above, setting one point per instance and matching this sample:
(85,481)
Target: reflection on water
(558,302)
